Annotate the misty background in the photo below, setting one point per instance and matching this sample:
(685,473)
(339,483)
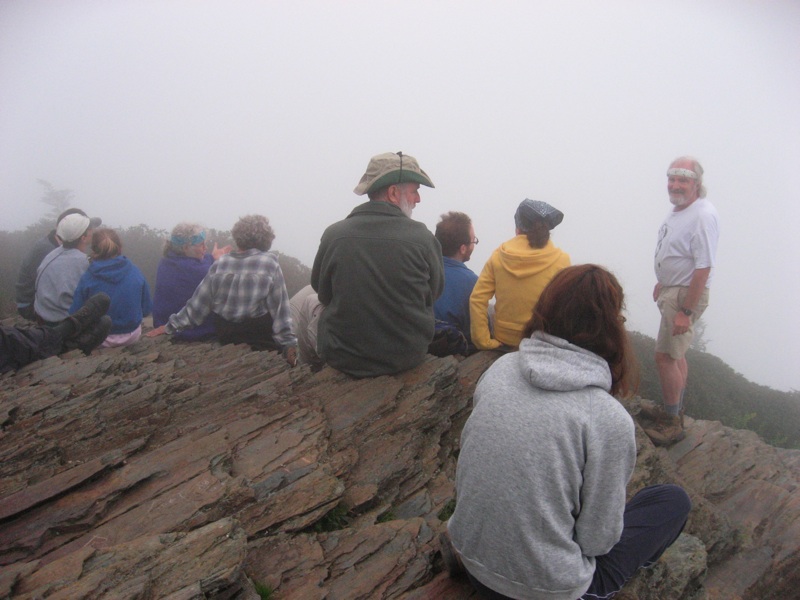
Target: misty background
(163,111)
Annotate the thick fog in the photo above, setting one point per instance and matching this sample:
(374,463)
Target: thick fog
(161,111)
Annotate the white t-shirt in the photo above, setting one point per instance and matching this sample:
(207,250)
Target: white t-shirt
(687,241)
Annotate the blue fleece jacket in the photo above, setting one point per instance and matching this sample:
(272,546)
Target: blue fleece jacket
(453,305)
(176,280)
(126,286)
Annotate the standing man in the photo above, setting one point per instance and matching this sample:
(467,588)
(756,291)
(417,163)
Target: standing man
(457,238)
(378,273)
(684,263)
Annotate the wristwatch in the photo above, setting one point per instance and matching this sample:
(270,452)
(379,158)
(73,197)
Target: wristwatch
(687,312)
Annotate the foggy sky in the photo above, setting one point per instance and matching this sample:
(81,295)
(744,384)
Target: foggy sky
(157,112)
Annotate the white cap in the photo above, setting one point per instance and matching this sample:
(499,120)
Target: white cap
(72,227)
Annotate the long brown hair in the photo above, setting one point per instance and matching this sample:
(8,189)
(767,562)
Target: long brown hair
(583,305)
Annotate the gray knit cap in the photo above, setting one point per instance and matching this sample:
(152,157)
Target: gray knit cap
(530,210)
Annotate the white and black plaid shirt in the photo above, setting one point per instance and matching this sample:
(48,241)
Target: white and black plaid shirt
(240,286)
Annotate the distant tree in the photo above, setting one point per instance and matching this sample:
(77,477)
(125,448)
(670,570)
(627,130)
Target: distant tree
(699,341)
(58,200)
(144,245)
(716,392)
(295,274)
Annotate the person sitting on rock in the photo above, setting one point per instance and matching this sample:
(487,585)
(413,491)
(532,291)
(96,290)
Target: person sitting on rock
(306,310)
(378,273)
(245,293)
(515,274)
(60,271)
(114,274)
(184,265)
(456,235)
(547,453)
(84,330)
(26,280)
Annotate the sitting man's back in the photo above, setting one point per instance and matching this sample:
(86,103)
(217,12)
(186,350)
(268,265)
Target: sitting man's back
(378,274)
(456,235)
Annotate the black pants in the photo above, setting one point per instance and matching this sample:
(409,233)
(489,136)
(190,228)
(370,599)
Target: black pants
(20,346)
(257,332)
(654,518)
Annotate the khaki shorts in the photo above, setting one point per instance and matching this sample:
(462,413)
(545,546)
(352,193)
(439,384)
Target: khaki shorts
(669,303)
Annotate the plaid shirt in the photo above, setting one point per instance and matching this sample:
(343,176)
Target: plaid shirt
(241,286)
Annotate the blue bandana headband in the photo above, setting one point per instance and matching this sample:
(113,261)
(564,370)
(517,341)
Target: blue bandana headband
(197,238)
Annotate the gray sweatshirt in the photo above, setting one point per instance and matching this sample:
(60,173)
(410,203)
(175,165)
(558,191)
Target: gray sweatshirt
(545,458)
(56,279)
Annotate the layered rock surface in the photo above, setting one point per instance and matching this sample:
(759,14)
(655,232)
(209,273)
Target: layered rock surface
(196,471)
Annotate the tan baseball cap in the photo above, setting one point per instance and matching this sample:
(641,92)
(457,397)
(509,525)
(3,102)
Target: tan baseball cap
(390,168)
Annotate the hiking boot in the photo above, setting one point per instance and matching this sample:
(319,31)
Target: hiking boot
(89,314)
(650,410)
(452,561)
(93,337)
(666,431)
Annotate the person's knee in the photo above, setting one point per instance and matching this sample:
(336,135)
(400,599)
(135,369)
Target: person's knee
(664,359)
(678,499)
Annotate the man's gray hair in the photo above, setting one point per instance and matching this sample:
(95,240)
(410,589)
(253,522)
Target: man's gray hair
(697,168)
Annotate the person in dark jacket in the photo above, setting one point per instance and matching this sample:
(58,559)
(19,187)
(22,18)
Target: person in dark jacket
(184,265)
(117,276)
(85,330)
(378,273)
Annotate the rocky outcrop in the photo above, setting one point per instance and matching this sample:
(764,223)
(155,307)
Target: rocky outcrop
(169,470)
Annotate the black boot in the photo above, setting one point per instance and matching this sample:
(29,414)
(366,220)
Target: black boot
(93,337)
(89,314)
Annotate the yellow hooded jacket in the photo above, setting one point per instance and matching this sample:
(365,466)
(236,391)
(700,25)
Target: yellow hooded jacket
(515,274)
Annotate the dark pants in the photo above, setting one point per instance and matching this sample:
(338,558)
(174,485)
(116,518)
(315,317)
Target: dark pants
(19,346)
(257,332)
(654,518)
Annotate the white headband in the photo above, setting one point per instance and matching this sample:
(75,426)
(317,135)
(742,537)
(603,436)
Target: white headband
(682,173)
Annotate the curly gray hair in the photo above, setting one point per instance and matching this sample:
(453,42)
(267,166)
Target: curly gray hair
(253,231)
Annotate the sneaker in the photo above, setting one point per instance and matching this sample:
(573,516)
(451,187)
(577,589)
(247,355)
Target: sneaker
(89,314)
(452,561)
(93,337)
(666,431)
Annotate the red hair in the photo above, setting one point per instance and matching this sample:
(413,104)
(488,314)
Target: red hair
(583,305)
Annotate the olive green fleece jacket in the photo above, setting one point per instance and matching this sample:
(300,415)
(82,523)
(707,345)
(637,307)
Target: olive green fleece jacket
(378,274)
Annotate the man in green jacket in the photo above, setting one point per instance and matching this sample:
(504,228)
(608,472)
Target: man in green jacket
(378,273)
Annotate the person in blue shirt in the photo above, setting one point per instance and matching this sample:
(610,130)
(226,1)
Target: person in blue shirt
(114,274)
(185,264)
(456,235)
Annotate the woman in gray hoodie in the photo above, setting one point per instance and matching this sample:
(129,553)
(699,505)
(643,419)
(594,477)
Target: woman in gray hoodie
(548,451)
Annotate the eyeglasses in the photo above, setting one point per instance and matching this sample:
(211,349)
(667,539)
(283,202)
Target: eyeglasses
(474,241)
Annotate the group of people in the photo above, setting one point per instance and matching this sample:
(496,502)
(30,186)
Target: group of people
(547,452)
(235,297)
(79,290)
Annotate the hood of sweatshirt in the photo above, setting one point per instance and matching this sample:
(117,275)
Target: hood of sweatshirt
(112,270)
(522,261)
(551,363)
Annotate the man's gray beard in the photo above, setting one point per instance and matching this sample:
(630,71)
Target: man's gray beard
(677,199)
(406,206)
